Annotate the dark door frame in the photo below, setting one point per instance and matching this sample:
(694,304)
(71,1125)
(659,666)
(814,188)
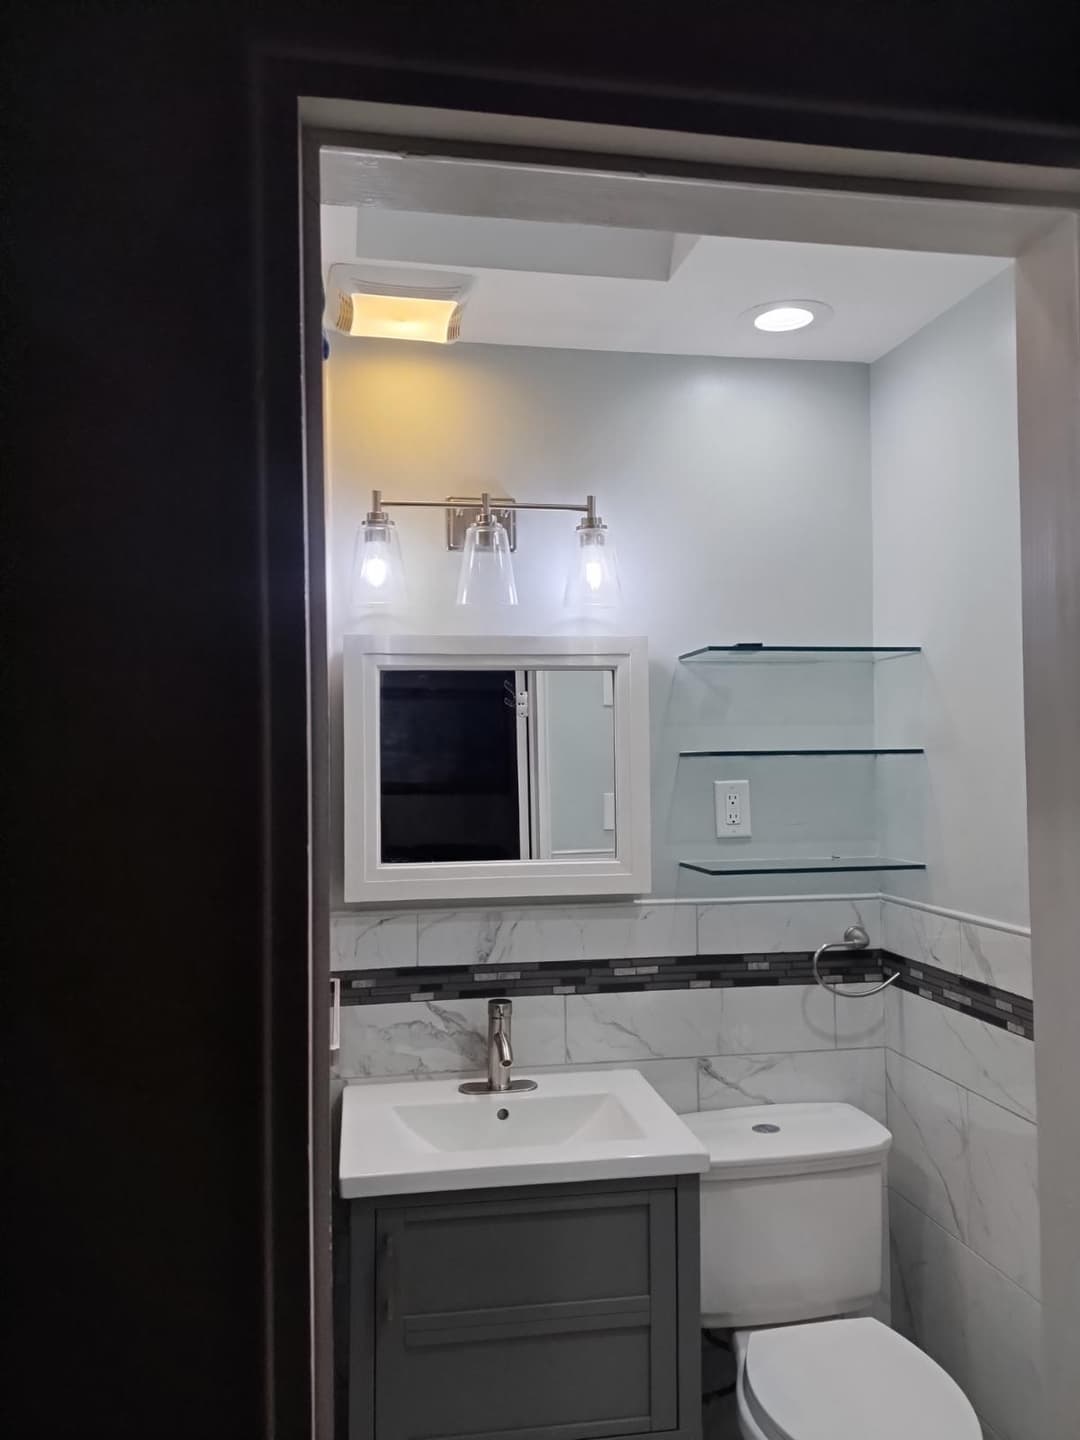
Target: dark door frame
(295,1120)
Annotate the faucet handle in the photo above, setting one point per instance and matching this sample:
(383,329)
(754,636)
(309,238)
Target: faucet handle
(500,1008)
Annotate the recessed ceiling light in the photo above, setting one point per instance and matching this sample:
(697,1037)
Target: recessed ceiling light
(779,316)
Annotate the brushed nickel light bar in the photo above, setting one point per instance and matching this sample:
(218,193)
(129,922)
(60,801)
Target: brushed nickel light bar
(484,528)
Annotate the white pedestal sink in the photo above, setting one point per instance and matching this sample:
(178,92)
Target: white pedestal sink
(424,1135)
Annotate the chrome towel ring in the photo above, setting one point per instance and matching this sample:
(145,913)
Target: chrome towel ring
(855,938)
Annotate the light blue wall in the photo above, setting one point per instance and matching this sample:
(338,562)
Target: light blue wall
(738,493)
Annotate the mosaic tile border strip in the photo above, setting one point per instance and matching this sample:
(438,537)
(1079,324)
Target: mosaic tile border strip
(684,972)
(1003,1008)
(985,1002)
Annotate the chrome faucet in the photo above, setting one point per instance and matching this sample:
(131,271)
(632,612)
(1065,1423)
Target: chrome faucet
(500,1052)
(500,1055)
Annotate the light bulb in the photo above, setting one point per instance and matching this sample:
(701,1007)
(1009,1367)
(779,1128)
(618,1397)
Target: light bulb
(374,571)
(378,577)
(592,581)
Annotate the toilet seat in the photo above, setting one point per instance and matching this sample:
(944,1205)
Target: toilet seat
(848,1380)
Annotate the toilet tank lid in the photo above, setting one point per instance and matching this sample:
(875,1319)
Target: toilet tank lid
(760,1139)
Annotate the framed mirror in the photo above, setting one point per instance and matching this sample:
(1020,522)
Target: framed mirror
(482,767)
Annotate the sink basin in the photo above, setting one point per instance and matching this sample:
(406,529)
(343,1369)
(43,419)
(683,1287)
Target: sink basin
(424,1135)
(543,1120)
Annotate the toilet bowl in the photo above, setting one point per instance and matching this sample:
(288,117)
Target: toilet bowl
(792,1222)
(852,1379)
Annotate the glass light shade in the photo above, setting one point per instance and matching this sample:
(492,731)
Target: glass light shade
(592,582)
(486,577)
(378,577)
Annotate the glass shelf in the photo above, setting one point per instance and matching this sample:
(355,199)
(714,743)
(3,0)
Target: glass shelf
(810,865)
(795,654)
(906,750)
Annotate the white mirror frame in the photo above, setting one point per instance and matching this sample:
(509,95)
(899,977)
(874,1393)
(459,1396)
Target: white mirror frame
(367,879)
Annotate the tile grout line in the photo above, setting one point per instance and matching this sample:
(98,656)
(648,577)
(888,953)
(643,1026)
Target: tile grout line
(891,1049)
(964,1246)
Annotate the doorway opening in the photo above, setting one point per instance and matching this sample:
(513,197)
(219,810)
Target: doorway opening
(818,487)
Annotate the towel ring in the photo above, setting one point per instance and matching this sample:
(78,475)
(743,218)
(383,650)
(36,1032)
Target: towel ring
(855,938)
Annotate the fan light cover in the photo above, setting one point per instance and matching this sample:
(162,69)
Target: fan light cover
(396,304)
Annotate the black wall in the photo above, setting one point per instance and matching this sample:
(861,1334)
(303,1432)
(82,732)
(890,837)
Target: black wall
(133,865)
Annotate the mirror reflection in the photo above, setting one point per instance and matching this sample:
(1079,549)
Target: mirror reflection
(483,764)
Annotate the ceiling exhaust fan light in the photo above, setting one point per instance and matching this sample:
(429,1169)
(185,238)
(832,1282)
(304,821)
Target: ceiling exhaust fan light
(399,317)
(383,304)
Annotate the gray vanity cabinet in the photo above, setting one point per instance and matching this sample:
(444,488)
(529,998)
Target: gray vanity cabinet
(547,1313)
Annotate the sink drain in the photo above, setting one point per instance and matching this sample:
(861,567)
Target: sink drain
(502,1114)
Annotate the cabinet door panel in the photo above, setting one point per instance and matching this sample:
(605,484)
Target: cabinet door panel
(537,1319)
(475,1257)
(524,1384)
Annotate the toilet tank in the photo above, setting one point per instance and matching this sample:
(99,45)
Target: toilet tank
(792,1211)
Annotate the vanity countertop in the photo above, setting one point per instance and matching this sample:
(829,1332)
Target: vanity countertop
(424,1135)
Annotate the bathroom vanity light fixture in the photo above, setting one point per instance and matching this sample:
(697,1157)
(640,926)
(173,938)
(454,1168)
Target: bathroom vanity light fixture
(396,304)
(779,316)
(483,528)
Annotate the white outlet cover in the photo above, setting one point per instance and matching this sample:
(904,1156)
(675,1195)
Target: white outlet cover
(732,801)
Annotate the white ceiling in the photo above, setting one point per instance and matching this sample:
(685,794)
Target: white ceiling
(588,287)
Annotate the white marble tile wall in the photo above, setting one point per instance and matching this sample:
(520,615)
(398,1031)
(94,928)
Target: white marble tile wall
(978,952)
(380,939)
(768,926)
(373,939)
(979,1325)
(701,1049)
(997,957)
(418,1038)
(982,1058)
(672,1024)
(535,934)
(855,1076)
(960,1102)
(921,935)
(860,1019)
(968,1164)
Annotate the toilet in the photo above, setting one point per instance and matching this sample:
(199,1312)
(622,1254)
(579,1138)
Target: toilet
(792,1210)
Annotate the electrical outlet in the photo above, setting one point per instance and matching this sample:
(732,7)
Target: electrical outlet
(732,799)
